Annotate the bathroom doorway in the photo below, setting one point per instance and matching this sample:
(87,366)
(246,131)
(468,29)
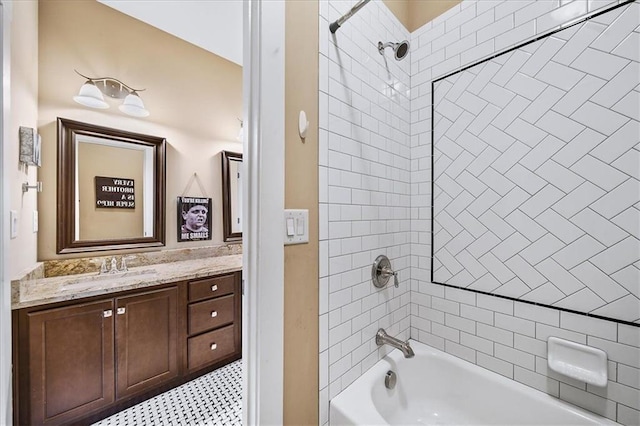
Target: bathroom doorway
(264,158)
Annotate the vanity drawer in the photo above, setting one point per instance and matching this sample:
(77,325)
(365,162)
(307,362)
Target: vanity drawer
(210,347)
(211,314)
(211,287)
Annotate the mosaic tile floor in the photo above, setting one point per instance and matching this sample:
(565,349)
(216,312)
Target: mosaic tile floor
(212,399)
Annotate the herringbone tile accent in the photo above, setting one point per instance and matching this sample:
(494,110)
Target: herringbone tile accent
(537,168)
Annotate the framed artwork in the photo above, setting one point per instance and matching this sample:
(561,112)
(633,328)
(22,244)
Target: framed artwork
(194,219)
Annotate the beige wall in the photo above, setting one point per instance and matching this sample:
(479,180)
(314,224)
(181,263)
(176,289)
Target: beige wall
(415,13)
(109,161)
(195,100)
(24,112)
(301,192)
(400,8)
(423,11)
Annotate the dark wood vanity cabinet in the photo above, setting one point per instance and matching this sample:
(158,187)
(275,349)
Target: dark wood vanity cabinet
(70,361)
(146,340)
(213,320)
(79,361)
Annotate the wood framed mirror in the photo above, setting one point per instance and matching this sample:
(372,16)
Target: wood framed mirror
(111,188)
(231,196)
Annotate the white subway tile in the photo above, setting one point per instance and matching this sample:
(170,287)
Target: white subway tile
(624,354)
(533,10)
(517,325)
(477,343)
(498,27)
(589,326)
(628,416)
(537,381)
(497,335)
(588,401)
(460,351)
(561,15)
(496,304)
(515,356)
(496,365)
(477,314)
(515,36)
(629,335)
(628,376)
(460,323)
(443,305)
(445,332)
(543,332)
(530,345)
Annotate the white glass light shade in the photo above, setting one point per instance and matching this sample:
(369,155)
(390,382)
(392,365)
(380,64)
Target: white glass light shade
(133,105)
(90,96)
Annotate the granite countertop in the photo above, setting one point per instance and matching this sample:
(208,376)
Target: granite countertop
(41,291)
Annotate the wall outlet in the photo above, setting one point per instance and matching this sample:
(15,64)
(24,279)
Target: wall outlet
(13,220)
(35,221)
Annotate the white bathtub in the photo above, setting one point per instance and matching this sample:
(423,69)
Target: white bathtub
(435,388)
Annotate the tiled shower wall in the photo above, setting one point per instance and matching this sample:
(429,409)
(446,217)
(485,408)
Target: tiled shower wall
(536,171)
(365,190)
(506,336)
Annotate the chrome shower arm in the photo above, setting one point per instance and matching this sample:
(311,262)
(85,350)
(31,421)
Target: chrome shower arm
(333,27)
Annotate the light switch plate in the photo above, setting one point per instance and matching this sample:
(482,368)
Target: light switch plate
(296,226)
(13,224)
(35,221)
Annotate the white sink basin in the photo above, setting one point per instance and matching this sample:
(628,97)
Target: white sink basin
(102,280)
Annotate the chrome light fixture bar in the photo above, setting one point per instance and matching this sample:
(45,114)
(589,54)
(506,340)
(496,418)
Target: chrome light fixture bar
(91,95)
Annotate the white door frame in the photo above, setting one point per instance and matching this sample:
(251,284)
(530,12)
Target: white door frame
(5,289)
(263,206)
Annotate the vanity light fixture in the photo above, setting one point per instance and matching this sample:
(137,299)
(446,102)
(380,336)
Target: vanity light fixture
(91,95)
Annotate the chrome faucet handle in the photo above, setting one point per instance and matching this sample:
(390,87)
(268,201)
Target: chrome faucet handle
(381,271)
(123,262)
(387,272)
(103,267)
(114,266)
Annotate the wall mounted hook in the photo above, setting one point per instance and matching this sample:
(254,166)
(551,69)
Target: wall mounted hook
(26,187)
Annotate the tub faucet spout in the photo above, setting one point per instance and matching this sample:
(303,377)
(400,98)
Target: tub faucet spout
(383,338)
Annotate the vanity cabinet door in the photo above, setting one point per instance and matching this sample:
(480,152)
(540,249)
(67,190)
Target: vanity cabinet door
(146,340)
(71,361)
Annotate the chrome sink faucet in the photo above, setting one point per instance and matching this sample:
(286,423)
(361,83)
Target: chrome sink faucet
(383,338)
(113,268)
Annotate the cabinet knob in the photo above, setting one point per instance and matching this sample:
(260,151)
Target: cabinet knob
(107,313)
(214,314)
(214,346)
(121,311)
(214,287)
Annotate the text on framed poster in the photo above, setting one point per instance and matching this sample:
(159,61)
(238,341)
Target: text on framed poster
(117,193)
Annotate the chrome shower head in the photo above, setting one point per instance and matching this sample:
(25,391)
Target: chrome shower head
(400,50)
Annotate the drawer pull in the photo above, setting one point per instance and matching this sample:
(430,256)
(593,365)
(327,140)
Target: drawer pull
(121,311)
(107,313)
(214,346)
(214,287)
(214,314)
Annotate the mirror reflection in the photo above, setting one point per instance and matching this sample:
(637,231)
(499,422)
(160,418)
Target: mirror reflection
(110,188)
(232,195)
(114,195)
